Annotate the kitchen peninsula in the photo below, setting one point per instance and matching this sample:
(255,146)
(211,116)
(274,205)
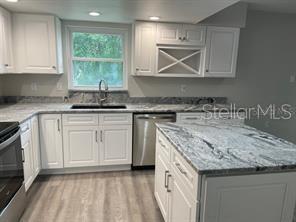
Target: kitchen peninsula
(224,172)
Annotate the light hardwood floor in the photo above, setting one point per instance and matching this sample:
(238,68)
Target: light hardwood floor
(103,197)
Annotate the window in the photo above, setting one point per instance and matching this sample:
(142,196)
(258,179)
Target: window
(97,54)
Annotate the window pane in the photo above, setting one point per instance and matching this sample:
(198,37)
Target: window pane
(93,45)
(90,73)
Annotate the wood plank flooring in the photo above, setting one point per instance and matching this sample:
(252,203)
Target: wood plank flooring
(104,197)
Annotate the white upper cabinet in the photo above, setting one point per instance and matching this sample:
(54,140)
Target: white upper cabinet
(169,33)
(145,48)
(38,44)
(6,57)
(221,52)
(180,34)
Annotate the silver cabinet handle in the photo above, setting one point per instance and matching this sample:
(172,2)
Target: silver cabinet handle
(165,179)
(23,155)
(168,189)
(96,135)
(101,136)
(58,122)
(191,118)
(181,169)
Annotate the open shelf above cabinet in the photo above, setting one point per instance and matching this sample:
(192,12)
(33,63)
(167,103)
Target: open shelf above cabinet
(179,61)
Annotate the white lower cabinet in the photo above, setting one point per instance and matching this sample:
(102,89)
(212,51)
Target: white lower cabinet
(161,183)
(115,144)
(35,145)
(27,147)
(80,146)
(175,184)
(182,203)
(51,141)
(97,139)
(185,196)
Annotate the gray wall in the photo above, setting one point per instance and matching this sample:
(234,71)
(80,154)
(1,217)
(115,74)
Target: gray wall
(267,58)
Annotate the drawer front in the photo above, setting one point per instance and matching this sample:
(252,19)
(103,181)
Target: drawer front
(191,118)
(115,119)
(163,144)
(80,119)
(184,171)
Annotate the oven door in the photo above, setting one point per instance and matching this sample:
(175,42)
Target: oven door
(11,167)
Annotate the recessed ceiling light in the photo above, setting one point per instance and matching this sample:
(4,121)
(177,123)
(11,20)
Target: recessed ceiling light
(154,18)
(12,0)
(94,13)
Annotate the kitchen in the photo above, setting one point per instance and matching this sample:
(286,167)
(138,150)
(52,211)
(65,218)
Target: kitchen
(90,91)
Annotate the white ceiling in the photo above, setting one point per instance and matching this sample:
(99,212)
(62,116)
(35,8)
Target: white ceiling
(284,6)
(124,11)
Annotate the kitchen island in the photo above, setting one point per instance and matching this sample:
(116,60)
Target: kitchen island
(213,172)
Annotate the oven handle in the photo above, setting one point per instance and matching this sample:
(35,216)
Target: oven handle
(10,140)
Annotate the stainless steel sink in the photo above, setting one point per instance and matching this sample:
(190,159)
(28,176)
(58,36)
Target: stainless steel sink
(97,106)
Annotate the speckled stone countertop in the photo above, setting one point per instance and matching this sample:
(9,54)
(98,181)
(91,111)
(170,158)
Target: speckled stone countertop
(216,148)
(20,112)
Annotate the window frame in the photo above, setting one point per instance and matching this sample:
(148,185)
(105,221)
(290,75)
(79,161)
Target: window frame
(96,30)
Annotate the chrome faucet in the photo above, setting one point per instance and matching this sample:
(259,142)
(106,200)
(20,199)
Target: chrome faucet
(103,95)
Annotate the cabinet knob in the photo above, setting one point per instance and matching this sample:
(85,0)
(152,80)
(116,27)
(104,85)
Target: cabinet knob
(54,67)
(207,70)
(6,65)
(184,39)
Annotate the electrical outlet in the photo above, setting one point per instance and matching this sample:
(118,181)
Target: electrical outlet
(183,88)
(292,78)
(34,86)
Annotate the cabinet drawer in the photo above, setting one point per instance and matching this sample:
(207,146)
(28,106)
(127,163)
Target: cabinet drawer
(80,119)
(191,117)
(184,171)
(163,144)
(115,119)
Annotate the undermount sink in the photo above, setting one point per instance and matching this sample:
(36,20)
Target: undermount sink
(97,106)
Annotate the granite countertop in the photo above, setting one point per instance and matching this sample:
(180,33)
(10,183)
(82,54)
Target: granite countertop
(20,112)
(215,148)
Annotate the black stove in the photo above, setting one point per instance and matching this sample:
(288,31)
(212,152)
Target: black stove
(6,127)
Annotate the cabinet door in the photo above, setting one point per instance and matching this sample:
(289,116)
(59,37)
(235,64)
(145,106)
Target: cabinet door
(28,160)
(161,173)
(35,145)
(169,33)
(194,35)
(80,146)
(36,49)
(256,198)
(221,51)
(6,42)
(145,48)
(115,144)
(182,206)
(51,141)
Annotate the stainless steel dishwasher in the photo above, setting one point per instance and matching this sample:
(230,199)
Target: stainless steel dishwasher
(144,137)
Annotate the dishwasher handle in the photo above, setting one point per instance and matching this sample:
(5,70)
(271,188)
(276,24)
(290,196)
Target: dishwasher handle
(155,117)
